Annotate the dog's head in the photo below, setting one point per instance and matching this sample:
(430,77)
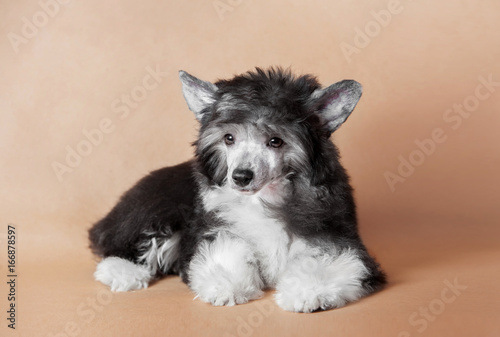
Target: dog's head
(263,126)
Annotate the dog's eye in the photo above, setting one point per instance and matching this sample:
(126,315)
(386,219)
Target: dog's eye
(276,142)
(229,139)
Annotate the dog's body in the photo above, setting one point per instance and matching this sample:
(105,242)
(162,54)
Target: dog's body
(264,204)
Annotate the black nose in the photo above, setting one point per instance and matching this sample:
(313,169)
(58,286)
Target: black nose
(242,177)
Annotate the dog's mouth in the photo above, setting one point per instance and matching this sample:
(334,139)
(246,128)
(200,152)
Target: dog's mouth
(272,191)
(247,191)
(269,186)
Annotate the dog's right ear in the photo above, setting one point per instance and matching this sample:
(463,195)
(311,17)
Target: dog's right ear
(198,94)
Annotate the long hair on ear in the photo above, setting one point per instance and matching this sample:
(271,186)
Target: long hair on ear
(211,155)
(322,154)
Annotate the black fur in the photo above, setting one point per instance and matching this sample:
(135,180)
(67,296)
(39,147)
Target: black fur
(159,203)
(320,208)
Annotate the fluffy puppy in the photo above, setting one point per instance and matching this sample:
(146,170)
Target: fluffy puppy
(265,203)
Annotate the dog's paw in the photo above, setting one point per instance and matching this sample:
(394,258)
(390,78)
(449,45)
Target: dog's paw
(224,272)
(307,300)
(219,286)
(219,296)
(321,283)
(122,275)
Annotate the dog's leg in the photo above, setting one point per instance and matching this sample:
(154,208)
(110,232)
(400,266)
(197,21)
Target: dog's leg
(224,271)
(157,256)
(314,279)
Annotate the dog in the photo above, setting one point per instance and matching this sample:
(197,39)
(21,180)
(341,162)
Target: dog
(264,204)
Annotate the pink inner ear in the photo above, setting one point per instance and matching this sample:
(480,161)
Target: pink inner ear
(333,97)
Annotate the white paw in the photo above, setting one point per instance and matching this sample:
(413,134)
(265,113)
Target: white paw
(219,296)
(224,272)
(320,283)
(220,287)
(307,300)
(122,275)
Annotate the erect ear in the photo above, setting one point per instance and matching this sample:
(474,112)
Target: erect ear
(197,93)
(336,102)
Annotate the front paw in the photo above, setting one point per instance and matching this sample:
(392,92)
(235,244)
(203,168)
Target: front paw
(220,287)
(306,300)
(219,295)
(224,272)
(321,283)
(298,290)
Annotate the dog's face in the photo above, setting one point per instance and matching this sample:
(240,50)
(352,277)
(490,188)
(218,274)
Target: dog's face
(259,128)
(253,158)
(247,151)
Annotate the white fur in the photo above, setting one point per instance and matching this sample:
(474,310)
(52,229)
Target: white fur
(122,275)
(249,220)
(224,272)
(317,280)
(160,255)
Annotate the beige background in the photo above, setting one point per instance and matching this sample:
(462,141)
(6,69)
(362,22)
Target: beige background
(65,69)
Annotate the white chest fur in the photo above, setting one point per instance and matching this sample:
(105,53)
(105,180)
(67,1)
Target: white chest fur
(248,219)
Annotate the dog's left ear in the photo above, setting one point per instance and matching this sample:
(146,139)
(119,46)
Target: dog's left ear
(336,102)
(198,94)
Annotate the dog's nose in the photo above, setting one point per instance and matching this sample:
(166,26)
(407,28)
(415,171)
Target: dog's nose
(242,177)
